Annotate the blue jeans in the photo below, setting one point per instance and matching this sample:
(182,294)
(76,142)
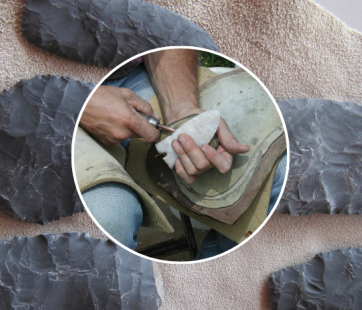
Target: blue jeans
(116,206)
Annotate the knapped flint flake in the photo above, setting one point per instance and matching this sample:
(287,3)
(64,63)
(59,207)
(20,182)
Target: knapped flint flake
(71,271)
(37,119)
(325,173)
(106,32)
(331,280)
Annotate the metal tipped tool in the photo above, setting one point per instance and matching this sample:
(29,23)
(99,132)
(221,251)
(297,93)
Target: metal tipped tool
(164,127)
(155,123)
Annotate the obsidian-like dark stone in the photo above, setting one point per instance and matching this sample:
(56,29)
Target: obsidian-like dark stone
(331,280)
(37,119)
(71,271)
(325,173)
(106,32)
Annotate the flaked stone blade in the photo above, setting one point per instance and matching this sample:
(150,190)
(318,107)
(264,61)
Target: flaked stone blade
(201,129)
(72,271)
(106,32)
(325,174)
(37,119)
(331,280)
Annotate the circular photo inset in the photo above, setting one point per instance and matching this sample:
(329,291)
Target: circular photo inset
(180,154)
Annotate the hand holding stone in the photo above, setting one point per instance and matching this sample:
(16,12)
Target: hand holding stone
(111,116)
(194,160)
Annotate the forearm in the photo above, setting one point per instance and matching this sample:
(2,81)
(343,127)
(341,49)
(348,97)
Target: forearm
(174,76)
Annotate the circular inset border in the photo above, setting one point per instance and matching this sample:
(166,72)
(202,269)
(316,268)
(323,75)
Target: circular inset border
(285,177)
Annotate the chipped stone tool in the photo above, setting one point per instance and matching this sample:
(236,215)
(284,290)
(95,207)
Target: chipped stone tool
(37,119)
(325,174)
(106,32)
(331,280)
(72,271)
(200,128)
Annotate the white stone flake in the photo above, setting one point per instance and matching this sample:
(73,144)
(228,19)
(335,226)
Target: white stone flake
(201,129)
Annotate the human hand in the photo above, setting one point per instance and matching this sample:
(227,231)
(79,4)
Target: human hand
(194,160)
(111,116)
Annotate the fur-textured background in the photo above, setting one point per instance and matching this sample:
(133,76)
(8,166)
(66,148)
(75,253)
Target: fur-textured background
(299,51)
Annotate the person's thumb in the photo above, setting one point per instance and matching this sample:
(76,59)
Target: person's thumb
(228,140)
(142,106)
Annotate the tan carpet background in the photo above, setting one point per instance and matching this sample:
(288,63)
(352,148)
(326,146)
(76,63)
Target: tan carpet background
(295,47)
(298,50)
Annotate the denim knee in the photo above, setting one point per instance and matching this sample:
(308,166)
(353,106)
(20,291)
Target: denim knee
(138,81)
(117,208)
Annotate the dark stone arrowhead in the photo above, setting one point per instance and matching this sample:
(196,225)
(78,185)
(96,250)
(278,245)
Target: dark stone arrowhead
(37,119)
(325,173)
(331,280)
(106,32)
(71,271)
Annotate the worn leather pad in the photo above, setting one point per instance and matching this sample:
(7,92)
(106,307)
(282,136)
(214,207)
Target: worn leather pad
(106,32)
(162,175)
(254,120)
(37,119)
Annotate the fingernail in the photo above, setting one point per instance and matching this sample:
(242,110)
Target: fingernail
(203,148)
(175,145)
(177,162)
(181,138)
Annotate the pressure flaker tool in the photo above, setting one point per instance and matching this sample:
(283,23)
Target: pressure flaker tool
(155,122)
